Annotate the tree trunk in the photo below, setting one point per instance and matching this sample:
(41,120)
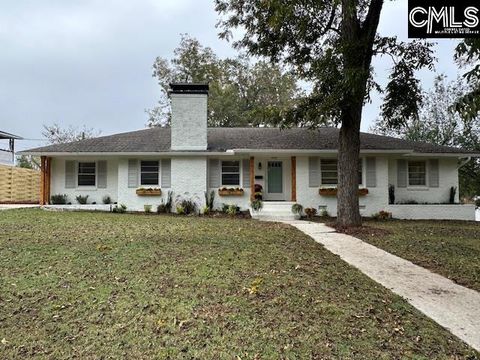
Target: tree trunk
(348,210)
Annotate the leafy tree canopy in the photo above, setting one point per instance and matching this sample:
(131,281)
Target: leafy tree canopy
(331,43)
(55,134)
(439,123)
(323,41)
(242,92)
(467,55)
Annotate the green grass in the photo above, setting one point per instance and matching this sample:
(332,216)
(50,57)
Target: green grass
(449,248)
(91,285)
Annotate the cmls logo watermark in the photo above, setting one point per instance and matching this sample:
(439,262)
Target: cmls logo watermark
(443,18)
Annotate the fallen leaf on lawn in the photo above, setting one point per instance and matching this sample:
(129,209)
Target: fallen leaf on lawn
(4,341)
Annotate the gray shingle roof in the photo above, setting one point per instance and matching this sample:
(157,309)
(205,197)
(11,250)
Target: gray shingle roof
(222,139)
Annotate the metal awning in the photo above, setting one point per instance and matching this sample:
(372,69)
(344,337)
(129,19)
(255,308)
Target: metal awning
(6,135)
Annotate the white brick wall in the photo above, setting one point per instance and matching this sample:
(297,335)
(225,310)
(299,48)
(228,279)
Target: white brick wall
(436,212)
(128,196)
(448,177)
(189,121)
(57,185)
(189,178)
(375,201)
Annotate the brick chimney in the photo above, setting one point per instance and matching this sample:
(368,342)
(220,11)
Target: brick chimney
(189,116)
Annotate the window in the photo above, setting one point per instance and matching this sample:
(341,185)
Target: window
(329,172)
(231,173)
(417,173)
(149,173)
(328,168)
(86,174)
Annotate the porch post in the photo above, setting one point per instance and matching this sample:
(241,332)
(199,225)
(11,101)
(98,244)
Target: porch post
(43,178)
(252,178)
(294,178)
(48,174)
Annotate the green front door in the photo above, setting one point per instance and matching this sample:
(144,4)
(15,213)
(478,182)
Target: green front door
(275,177)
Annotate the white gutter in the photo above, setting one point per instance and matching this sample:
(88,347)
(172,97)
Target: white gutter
(231,152)
(312,151)
(458,155)
(464,162)
(158,153)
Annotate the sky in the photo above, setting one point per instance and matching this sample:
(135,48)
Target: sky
(89,62)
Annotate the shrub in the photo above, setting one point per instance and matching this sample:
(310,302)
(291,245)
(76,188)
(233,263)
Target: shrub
(147,208)
(120,209)
(310,212)
(162,208)
(107,200)
(382,215)
(169,202)
(209,200)
(453,192)
(58,199)
(180,210)
(82,199)
(225,208)
(166,206)
(256,205)
(297,209)
(233,210)
(189,206)
(206,210)
(391,194)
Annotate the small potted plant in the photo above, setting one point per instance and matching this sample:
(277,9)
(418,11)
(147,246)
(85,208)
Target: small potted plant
(297,209)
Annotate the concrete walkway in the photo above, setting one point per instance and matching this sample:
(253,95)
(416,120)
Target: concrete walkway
(454,307)
(17,206)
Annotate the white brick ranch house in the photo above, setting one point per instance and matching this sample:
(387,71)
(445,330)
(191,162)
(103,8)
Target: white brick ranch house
(292,165)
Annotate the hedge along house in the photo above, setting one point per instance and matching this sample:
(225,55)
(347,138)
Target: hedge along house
(291,165)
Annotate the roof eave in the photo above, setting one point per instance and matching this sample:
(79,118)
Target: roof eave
(126,153)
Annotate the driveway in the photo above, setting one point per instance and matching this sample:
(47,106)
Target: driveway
(454,307)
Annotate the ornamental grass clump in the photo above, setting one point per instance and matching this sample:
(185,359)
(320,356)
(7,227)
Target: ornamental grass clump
(58,199)
(82,199)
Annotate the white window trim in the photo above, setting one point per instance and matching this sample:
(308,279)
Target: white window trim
(159,173)
(417,187)
(86,187)
(362,164)
(240,172)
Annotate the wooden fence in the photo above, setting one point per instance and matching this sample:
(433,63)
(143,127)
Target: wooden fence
(19,186)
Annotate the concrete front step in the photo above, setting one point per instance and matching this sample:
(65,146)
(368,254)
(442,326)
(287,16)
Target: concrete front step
(274,210)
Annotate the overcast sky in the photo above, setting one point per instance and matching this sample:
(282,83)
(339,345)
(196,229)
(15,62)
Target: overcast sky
(89,62)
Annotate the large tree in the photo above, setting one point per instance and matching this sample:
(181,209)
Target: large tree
(331,43)
(439,123)
(242,92)
(55,134)
(467,55)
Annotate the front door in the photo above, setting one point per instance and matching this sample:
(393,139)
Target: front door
(275,180)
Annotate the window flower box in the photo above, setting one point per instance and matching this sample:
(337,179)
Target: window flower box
(149,192)
(333,191)
(230,192)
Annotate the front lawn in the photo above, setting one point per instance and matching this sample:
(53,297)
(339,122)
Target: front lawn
(91,285)
(449,248)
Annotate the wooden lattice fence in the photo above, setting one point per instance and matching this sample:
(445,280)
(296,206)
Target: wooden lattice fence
(19,186)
